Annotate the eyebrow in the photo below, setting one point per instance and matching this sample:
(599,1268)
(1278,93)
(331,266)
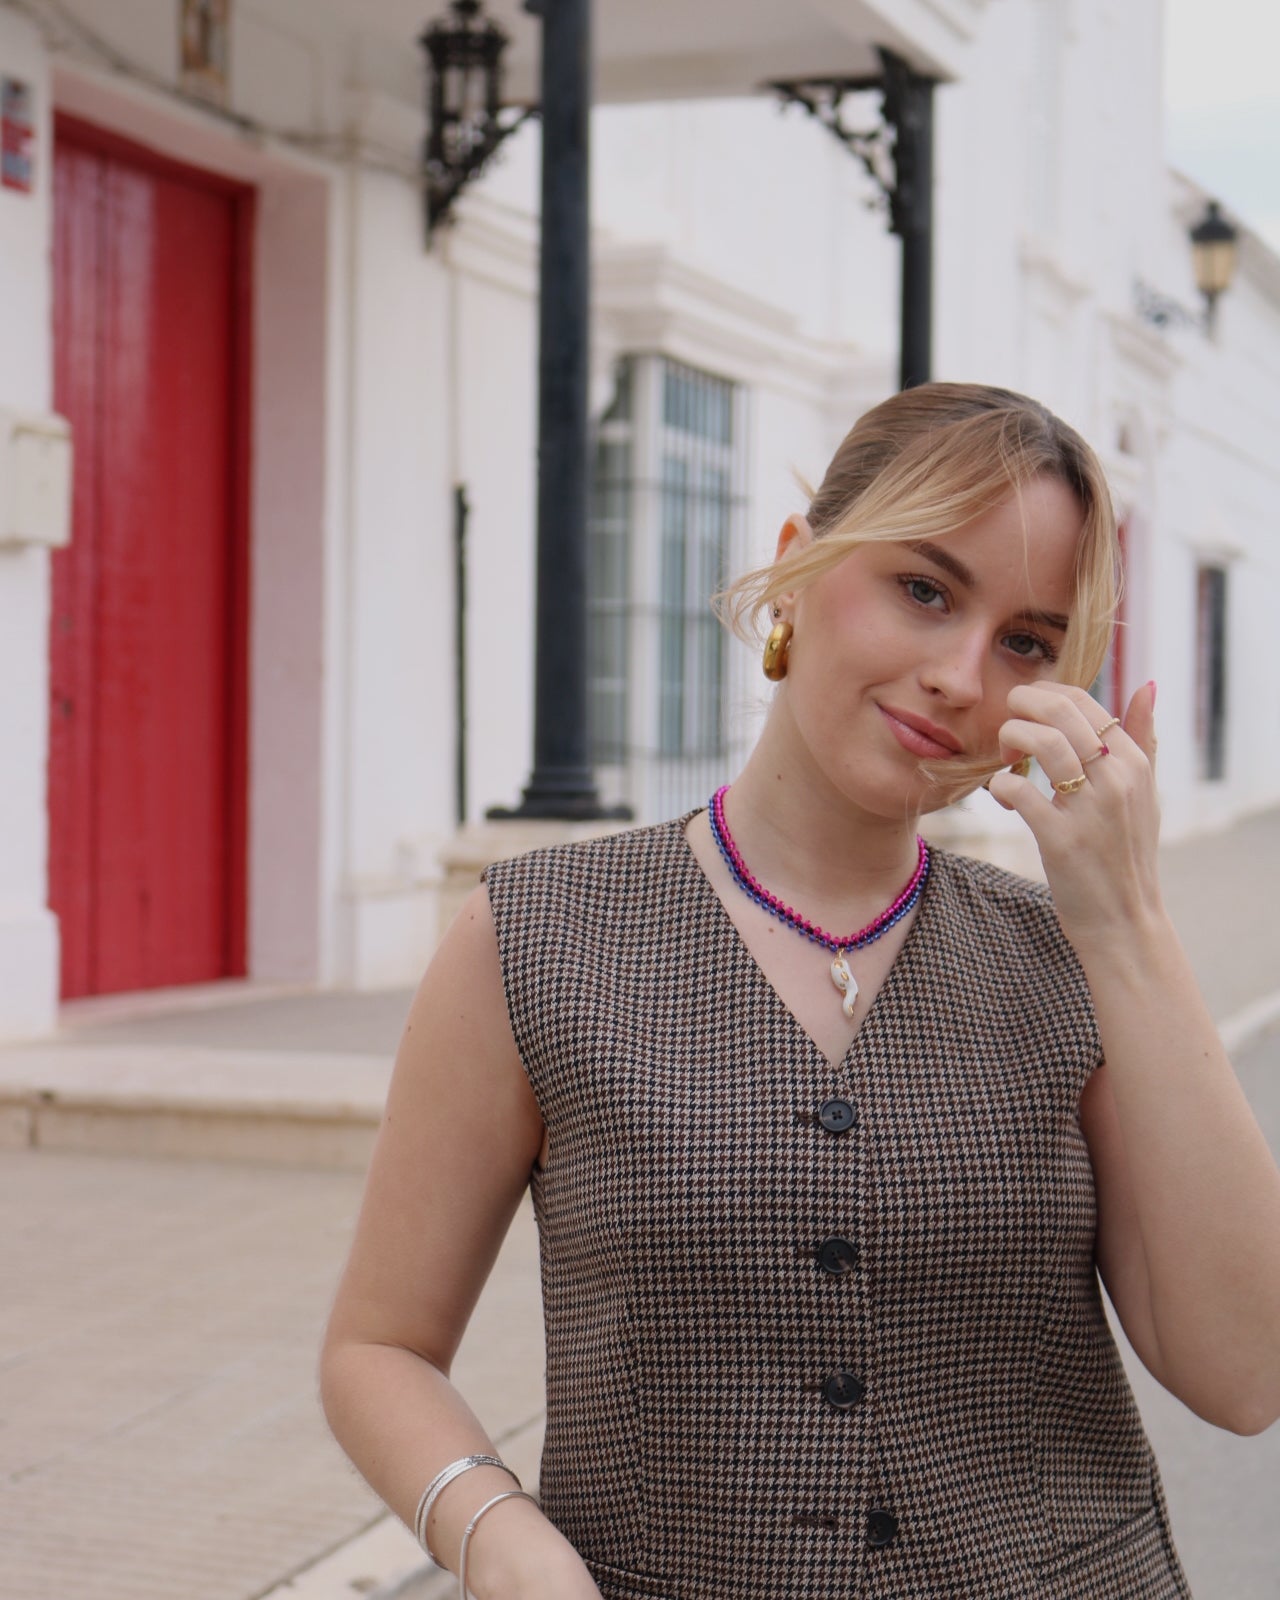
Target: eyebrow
(944,559)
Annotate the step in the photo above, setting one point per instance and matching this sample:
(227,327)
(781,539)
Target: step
(277,1107)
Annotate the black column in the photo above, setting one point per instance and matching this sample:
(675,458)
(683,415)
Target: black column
(562,784)
(908,107)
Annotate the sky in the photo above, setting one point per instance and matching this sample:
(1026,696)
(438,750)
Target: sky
(1222,104)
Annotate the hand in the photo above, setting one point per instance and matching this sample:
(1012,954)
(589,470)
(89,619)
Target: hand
(529,1560)
(1098,844)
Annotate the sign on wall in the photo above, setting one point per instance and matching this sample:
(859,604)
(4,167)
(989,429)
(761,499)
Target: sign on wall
(206,25)
(17,138)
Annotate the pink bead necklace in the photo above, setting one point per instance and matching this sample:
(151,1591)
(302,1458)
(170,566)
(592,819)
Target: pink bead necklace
(841,976)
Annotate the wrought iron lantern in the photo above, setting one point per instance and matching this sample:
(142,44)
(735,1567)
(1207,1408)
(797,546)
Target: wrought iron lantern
(1214,253)
(465,122)
(1214,249)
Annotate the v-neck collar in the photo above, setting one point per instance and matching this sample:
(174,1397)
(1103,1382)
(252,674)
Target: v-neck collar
(895,979)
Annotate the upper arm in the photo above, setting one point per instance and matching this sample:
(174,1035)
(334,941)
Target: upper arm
(1119,1250)
(459,1136)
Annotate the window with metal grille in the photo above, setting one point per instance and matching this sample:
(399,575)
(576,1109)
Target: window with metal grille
(608,583)
(666,511)
(1211,671)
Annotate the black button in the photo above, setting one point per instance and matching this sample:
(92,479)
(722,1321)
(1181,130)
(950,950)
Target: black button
(843,1389)
(882,1528)
(836,1116)
(837,1256)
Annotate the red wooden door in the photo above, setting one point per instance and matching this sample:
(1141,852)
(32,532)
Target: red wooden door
(146,757)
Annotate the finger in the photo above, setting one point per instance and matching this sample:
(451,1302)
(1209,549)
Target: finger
(1051,747)
(1021,795)
(1065,707)
(1140,720)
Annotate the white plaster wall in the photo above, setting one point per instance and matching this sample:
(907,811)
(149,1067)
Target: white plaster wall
(1220,492)
(762,199)
(292,530)
(495,425)
(282,67)
(979,203)
(28,933)
(399,583)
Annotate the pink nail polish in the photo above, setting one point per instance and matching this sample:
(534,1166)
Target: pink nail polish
(1151,684)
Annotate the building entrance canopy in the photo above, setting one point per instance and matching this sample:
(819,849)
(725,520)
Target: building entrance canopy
(672,49)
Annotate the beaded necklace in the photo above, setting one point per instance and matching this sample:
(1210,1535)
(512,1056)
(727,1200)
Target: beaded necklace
(841,976)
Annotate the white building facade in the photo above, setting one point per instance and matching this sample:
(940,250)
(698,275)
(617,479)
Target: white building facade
(746,311)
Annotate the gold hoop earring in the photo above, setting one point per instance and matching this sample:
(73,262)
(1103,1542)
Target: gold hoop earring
(777,647)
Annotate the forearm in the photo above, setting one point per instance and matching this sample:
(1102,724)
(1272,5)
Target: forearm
(1205,1186)
(401,1421)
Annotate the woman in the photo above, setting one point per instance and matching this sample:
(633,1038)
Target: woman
(820,1212)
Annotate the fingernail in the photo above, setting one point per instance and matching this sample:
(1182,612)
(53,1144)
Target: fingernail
(1151,684)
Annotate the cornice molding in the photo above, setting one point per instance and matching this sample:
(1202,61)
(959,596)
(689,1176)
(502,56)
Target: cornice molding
(646,300)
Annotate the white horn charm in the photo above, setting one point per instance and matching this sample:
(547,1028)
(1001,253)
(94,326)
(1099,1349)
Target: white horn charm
(845,981)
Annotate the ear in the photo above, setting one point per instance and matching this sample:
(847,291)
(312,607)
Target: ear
(795,535)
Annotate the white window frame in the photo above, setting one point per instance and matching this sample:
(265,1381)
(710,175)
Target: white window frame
(655,781)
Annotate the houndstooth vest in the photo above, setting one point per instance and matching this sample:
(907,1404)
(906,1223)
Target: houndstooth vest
(816,1333)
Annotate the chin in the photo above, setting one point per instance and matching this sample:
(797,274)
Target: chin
(918,798)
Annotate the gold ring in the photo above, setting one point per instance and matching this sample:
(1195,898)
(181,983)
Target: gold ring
(1102,750)
(1114,723)
(1071,785)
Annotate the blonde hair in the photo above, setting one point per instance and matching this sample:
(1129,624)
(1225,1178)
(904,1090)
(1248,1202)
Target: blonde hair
(921,465)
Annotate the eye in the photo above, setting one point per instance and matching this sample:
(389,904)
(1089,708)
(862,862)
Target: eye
(923,591)
(1031,647)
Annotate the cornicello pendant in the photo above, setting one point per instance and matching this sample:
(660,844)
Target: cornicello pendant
(845,981)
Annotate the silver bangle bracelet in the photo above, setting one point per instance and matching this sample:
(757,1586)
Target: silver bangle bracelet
(507,1494)
(441,1481)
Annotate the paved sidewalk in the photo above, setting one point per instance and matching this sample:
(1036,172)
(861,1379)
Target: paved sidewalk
(161,1437)
(1223,893)
(159,1433)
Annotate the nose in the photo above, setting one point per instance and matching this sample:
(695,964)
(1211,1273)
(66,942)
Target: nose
(955,670)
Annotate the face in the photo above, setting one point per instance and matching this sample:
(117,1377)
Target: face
(906,653)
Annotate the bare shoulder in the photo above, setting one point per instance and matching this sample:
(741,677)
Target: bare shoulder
(458,1066)
(462,991)
(459,1137)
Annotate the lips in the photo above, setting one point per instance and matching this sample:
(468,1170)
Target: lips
(920,736)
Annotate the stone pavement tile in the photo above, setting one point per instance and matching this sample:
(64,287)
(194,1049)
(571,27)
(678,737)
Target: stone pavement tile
(1215,889)
(160,1433)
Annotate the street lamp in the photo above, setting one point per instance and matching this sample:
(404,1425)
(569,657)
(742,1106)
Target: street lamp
(464,104)
(1214,249)
(1214,253)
